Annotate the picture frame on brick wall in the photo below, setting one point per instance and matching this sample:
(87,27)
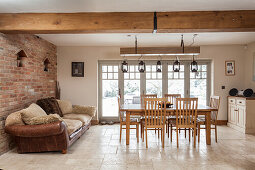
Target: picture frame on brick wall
(77,69)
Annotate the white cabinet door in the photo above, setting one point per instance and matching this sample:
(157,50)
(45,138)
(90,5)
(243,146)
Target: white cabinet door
(232,113)
(241,116)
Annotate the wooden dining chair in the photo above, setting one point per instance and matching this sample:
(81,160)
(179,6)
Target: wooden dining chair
(214,103)
(155,117)
(133,121)
(186,116)
(170,121)
(142,97)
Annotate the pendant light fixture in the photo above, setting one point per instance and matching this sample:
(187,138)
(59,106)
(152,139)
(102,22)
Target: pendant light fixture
(176,65)
(159,65)
(141,66)
(124,66)
(193,65)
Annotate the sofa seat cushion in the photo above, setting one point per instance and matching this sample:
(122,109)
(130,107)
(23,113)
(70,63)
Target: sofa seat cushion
(84,118)
(72,125)
(43,119)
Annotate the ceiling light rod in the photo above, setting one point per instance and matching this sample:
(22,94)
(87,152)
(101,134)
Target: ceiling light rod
(139,55)
(155,23)
(182,44)
(135,44)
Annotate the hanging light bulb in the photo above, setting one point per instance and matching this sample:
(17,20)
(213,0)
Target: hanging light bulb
(193,65)
(124,66)
(176,65)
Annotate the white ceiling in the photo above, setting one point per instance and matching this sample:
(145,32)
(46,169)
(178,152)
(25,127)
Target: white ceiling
(148,40)
(18,6)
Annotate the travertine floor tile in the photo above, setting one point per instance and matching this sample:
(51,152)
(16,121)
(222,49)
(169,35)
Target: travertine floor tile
(99,148)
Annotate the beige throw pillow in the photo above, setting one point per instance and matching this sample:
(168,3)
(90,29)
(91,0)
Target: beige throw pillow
(65,106)
(42,119)
(14,119)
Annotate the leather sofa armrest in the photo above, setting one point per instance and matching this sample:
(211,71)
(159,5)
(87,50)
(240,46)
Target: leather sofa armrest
(90,110)
(36,130)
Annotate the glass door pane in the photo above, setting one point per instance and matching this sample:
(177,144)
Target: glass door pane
(153,80)
(110,90)
(198,84)
(176,81)
(132,85)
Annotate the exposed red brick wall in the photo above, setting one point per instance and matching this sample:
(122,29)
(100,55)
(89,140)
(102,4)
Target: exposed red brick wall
(20,86)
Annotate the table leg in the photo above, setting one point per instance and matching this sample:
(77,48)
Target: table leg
(208,128)
(127,127)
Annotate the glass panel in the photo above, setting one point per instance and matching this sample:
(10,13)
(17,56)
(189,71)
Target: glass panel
(132,68)
(126,75)
(170,75)
(131,91)
(110,76)
(198,89)
(115,75)
(148,68)
(137,75)
(153,68)
(109,68)
(132,75)
(159,75)
(154,75)
(154,87)
(115,68)
(104,68)
(204,74)
(109,98)
(176,87)
(148,75)
(181,75)
(204,67)
(104,75)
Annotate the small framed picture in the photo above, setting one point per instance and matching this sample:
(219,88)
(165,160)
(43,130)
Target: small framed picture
(230,68)
(77,69)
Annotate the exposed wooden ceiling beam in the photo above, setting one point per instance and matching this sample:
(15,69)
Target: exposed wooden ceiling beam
(160,50)
(128,22)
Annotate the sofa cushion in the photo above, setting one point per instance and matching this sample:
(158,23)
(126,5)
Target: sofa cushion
(84,118)
(42,119)
(72,125)
(65,106)
(14,119)
(90,110)
(50,106)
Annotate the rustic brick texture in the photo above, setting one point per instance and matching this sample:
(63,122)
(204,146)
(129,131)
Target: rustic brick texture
(20,86)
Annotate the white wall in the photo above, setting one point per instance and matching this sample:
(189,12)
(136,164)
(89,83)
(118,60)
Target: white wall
(250,53)
(81,90)
(84,90)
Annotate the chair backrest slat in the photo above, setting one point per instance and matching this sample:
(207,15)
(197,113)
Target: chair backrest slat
(214,103)
(172,97)
(186,111)
(155,111)
(143,96)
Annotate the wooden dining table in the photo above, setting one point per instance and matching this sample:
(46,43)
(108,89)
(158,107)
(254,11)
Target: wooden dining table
(138,110)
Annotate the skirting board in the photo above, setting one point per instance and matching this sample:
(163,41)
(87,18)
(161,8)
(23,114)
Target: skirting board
(222,122)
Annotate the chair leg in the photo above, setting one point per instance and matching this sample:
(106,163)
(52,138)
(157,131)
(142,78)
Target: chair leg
(189,134)
(137,132)
(158,132)
(185,132)
(198,131)
(177,137)
(64,151)
(143,132)
(146,138)
(171,134)
(163,136)
(141,128)
(168,129)
(194,138)
(120,131)
(216,140)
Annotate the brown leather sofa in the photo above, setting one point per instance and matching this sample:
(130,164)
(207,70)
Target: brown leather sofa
(57,136)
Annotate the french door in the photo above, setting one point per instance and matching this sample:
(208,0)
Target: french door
(130,85)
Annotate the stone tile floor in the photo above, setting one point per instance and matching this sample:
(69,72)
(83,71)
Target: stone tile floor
(99,148)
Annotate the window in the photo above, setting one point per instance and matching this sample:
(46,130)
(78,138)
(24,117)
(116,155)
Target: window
(176,80)
(153,80)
